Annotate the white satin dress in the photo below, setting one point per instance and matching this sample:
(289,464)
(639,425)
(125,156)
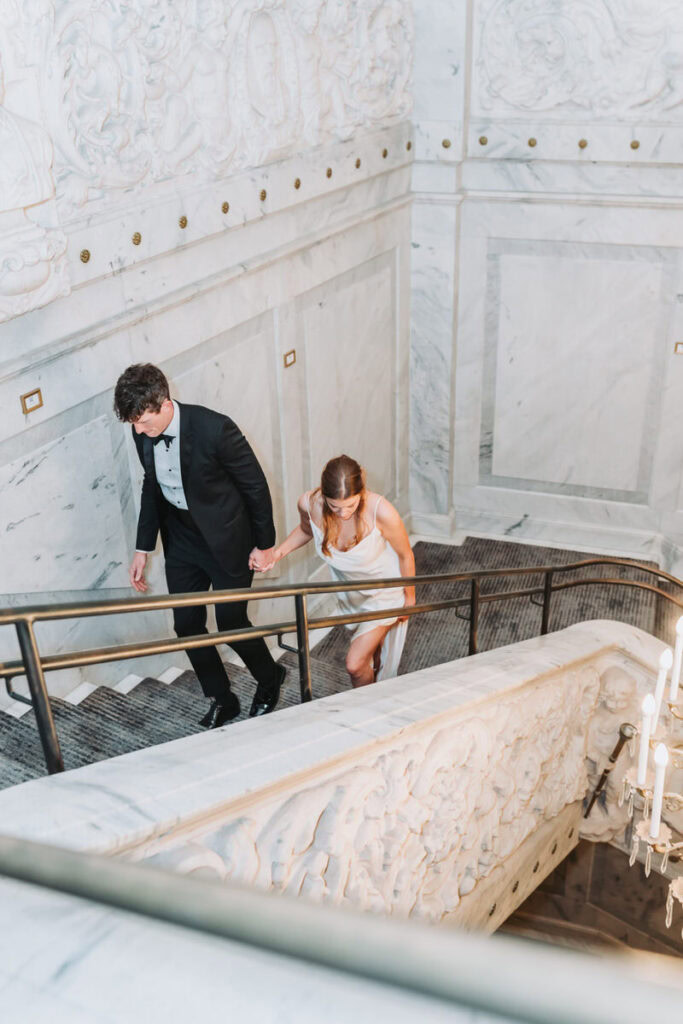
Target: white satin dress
(372,558)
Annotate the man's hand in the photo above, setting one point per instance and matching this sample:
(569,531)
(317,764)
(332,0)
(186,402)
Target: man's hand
(262,560)
(137,572)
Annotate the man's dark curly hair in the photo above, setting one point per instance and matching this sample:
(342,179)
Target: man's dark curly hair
(139,389)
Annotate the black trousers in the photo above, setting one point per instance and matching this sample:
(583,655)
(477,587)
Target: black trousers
(191,567)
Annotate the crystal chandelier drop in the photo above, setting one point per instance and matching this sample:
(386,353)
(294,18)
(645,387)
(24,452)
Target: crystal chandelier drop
(659,750)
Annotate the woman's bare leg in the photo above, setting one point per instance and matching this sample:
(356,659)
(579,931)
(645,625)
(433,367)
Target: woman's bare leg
(360,659)
(377,661)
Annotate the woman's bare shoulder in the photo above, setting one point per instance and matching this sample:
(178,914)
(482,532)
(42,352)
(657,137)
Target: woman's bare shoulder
(386,513)
(311,503)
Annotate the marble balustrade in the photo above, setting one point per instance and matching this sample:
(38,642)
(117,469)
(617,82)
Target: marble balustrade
(431,795)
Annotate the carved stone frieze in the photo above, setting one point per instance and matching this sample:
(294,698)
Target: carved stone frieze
(411,827)
(32,265)
(601,59)
(140,91)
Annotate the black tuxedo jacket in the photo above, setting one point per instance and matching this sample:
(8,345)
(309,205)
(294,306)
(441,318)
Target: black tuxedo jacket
(225,488)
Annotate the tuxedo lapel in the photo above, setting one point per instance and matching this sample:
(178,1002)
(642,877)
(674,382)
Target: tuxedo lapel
(186,442)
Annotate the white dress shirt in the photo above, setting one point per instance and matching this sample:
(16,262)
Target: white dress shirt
(167,466)
(167,463)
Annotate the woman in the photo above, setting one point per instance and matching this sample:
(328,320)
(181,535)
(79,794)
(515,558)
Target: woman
(360,535)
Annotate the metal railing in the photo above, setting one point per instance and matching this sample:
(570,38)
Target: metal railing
(506,976)
(33,665)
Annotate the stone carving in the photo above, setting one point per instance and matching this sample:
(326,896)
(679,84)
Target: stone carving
(593,58)
(32,265)
(620,701)
(411,828)
(139,91)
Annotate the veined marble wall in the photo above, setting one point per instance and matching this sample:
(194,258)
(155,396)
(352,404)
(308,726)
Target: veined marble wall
(207,186)
(547,273)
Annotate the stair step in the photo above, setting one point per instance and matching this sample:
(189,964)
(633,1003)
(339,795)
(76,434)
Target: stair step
(23,746)
(177,709)
(128,722)
(12,771)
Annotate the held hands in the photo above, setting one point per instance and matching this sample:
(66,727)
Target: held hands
(263,560)
(136,572)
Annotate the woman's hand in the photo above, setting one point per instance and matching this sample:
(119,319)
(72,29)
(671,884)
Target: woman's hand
(408,603)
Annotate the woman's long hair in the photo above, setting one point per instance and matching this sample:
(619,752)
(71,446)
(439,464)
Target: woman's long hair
(341,478)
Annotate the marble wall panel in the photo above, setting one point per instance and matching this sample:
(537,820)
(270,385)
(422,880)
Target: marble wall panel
(234,373)
(566,373)
(440,59)
(573,368)
(60,520)
(349,335)
(432,279)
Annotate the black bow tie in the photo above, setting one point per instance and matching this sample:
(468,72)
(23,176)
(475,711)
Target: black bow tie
(167,438)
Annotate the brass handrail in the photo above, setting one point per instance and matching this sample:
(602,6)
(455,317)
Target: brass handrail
(497,975)
(33,665)
(83,609)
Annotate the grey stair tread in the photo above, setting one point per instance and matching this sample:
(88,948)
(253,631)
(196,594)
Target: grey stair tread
(327,676)
(111,723)
(13,772)
(440,636)
(108,723)
(178,710)
(20,742)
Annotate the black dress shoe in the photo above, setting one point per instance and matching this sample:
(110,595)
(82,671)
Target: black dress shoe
(264,705)
(219,714)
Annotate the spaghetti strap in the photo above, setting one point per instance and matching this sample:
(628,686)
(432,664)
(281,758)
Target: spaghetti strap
(376,507)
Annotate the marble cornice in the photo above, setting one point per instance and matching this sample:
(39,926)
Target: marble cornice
(202,264)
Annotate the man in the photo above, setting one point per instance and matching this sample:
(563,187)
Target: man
(205,491)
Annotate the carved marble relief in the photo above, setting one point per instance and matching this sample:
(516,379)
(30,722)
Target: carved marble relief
(620,701)
(32,265)
(412,827)
(611,59)
(139,91)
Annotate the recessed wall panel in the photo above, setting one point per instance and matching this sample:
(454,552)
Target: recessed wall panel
(572,364)
(350,337)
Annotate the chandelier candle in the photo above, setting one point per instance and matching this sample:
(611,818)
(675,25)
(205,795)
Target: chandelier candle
(648,709)
(665,663)
(661,761)
(678,656)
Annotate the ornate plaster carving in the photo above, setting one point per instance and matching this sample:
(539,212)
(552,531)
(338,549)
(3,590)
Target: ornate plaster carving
(411,827)
(604,59)
(140,91)
(32,265)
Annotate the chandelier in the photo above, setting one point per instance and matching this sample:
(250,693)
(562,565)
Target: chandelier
(658,751)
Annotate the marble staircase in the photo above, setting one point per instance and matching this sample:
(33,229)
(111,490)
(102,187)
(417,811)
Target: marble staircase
(108,723)
(96,723)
